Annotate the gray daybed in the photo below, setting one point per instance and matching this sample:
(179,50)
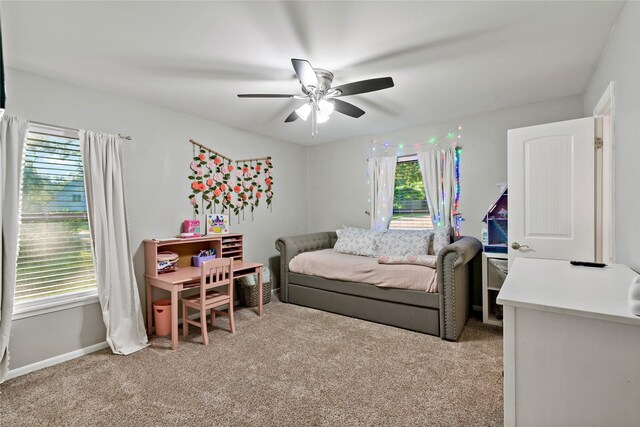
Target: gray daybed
(442,314)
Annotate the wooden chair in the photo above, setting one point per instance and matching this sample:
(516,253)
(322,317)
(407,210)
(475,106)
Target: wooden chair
(214,274)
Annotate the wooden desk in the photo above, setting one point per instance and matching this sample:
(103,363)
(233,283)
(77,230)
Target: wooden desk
(186,278)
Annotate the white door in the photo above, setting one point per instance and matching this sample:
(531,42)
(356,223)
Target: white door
(551,177)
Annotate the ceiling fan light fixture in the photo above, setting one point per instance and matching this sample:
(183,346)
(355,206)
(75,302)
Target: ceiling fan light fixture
(326,107)
(303,111)
(322,118)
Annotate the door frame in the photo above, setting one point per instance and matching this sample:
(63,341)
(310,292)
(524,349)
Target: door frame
(605,190)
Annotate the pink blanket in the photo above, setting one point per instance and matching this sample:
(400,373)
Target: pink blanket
(352,268)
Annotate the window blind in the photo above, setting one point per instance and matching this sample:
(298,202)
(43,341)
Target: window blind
(55,256)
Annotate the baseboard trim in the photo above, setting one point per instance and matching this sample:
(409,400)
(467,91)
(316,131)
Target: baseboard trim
(13,373)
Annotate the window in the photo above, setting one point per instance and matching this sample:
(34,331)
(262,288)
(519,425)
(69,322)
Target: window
(55,258)
(410,208)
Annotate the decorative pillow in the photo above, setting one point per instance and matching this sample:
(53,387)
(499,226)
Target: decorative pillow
(397,243)
(357,241)
(426,260)
(441,238)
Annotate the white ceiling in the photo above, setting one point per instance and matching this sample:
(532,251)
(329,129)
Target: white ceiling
(448,59)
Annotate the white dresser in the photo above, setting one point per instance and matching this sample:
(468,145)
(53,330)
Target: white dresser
(571,346)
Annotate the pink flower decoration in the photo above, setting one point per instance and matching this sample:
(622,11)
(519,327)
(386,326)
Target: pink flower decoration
(200,172)
(193,201)
(239,173)
(238,203)
(225,170)
(210,164)
(194,166)
(218,176)
(246,184)
(269,194)
(249,174)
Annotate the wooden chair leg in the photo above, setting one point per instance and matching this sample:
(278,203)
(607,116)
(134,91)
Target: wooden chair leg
(232,322)
(213,318)
(185,324)
(203,326)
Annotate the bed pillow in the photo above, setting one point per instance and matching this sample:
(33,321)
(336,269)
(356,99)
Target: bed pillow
(398,243)
(426,260)
(357,241)
(441,238)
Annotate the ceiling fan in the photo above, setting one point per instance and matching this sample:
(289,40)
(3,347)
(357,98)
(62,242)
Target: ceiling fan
(321,98)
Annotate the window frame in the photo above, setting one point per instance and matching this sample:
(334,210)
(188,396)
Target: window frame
(39,306)
(407,159)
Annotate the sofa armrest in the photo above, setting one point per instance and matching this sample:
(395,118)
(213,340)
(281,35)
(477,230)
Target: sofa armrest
(291,246)
(453,284)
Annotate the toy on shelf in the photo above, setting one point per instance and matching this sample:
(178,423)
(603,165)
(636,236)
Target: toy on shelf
(217,224)
(191,228)
(495,237)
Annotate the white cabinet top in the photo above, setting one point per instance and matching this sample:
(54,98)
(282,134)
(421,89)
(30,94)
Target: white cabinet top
(557,286)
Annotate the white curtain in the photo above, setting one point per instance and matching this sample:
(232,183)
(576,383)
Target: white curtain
(117,288)
(13,131)
(382,173)
(438,175)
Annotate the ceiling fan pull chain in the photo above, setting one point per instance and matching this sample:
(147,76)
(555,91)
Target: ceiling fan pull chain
(314,119)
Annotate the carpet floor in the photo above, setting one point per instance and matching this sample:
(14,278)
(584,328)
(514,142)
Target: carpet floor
(295,366)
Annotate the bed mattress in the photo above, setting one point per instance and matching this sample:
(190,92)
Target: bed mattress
(360,269)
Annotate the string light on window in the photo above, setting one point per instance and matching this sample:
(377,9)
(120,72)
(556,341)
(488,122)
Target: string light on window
(451,136)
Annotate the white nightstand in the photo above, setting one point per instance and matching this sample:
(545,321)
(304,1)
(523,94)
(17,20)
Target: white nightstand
(491,284)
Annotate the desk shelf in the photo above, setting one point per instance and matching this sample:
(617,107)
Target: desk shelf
(226,246)
(233,246)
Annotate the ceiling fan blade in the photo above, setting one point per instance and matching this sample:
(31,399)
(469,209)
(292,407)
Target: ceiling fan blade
(364,86)
(347,108)
(304,71)
(264,95)
(291,117)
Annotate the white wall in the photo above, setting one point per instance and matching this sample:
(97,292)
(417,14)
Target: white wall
(620,62)
(338,192)
(156,169)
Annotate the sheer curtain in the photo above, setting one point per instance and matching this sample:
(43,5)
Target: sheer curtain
(382,173)
(438,174)
(13,131)
(117,287)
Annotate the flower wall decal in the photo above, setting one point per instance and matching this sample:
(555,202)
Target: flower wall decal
(219,182)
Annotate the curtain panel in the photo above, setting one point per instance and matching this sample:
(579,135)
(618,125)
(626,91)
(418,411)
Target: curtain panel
(382,173)
(117,287)
(438,174)
(13,131)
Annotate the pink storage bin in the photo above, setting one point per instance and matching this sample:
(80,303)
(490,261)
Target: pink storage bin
(162,317)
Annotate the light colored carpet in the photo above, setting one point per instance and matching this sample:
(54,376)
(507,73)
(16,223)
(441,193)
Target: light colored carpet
(295,366)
